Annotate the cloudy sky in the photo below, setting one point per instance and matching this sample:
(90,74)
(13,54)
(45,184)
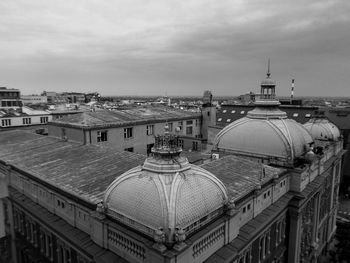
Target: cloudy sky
(158,47)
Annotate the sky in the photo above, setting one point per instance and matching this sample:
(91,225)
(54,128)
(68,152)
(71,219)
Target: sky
(171,47)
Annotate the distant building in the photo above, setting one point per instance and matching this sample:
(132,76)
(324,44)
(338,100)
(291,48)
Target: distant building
(246,99)
(54,97)
(22,118)
(73,97)
(10,98)
(33,99)
(131,130)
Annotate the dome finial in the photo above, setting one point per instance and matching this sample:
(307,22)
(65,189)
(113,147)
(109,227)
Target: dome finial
(268,69)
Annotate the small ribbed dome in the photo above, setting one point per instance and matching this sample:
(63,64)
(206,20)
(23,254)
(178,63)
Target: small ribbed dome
(322,129)
(166,194)
(274,137)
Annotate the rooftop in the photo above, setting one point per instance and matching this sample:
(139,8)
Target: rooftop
(240,175)
(84,171)
(117,118)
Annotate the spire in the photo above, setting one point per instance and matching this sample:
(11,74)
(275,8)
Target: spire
(268,69)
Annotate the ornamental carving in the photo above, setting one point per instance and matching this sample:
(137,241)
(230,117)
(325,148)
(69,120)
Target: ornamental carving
(180,235)
(159,236)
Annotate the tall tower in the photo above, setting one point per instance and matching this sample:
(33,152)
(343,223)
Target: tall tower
(208,113)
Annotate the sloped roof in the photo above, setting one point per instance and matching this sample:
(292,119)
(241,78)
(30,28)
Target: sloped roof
(105,118)
(240,175)
(84,171)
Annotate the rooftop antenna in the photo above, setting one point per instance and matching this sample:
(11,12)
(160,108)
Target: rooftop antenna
(268,69)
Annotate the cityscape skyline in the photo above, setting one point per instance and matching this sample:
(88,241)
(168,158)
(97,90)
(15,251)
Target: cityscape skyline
(165,48)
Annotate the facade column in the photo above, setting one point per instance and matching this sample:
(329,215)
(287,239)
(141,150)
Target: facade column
(294,235)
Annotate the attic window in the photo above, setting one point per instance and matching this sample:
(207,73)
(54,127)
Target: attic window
(308,115)
(224,111)
(228,120)
(219,119)
(242,112)
(233,111)
(295,114)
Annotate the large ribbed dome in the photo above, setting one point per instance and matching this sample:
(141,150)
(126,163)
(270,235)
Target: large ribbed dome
(280,138)
(265,132)
(322,129)
(166,194)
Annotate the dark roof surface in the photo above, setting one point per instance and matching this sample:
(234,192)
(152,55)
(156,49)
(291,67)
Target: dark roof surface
(124,117)
(230,113)
(84,171)
(241,175)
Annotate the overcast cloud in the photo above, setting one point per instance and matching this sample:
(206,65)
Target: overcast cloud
(142,47)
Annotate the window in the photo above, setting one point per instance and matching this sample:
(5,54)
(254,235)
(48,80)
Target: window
(224,111)
(308,115)
(295,114)
(181,143)
(44,119)
(220,119)
(264,246)
(195,146)
(150,129)
(179,125)
(189,122)
(189,130)
(27,120)
(228,120)
(130,149)
(248,206)
(233,111)
(245,257)
(6,122)
(170,125)
(101,136)
(244,209)
(197,123)
(127,133)
(242,112)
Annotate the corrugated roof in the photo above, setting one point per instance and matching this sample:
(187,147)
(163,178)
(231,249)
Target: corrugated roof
(84,171)
(124,117)
(240,175)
